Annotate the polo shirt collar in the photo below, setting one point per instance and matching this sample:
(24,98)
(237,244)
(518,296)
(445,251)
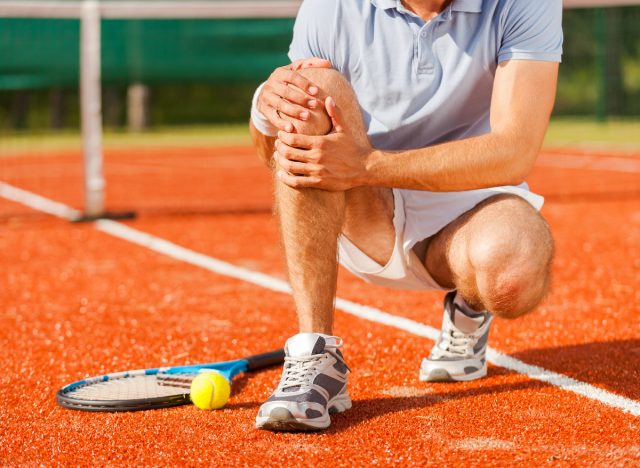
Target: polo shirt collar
(386,4)
(469,6)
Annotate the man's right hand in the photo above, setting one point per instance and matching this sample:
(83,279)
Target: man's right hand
(289,94)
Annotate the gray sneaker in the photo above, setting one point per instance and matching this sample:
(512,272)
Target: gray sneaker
(459,353)
(313,384)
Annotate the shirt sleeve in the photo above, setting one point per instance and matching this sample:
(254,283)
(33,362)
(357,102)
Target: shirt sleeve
(313,30)
(532,30)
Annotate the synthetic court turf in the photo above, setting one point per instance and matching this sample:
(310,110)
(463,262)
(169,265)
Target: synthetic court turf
(76,301)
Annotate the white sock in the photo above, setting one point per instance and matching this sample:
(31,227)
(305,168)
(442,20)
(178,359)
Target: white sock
(466,308)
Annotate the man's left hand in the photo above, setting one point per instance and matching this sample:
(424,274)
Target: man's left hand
(334,162)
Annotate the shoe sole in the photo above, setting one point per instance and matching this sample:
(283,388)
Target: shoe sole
(442,375)
(281,419)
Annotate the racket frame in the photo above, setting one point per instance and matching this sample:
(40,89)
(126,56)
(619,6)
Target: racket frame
(229,369)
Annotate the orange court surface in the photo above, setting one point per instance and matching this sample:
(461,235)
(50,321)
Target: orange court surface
(77,300)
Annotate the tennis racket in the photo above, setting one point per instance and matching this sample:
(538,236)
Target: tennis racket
(160,387)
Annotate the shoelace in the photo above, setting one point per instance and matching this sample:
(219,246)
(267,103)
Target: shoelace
(455,343)
(298,370)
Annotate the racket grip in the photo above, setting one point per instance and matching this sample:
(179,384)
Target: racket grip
(269,359)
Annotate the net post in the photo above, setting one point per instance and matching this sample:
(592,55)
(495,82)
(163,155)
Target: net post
(90,108)
(601,64)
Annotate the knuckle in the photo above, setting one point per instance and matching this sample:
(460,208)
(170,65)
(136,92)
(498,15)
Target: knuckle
(271,98)
(289,108)
(291,153)
(298,79)
(282,89)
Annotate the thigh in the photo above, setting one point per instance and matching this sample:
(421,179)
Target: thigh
(368,221)
(504,226)
(368,218)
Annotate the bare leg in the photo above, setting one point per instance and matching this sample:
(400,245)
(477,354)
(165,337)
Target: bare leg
(311,220)
(497,255)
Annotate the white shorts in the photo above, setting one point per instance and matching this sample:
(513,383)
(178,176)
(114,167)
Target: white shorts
(418,215)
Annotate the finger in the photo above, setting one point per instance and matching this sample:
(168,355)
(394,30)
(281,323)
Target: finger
(313,62)
(296,140)
(295,78)
(296,167)
(292,154)
(294,95)
(286,108)
(273,116)
(336,115)
(297,181)
(296,65)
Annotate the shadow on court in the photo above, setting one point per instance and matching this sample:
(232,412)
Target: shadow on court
(613,365)
(365,409)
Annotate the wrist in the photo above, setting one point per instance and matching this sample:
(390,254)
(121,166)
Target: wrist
(373,168)
(260,121)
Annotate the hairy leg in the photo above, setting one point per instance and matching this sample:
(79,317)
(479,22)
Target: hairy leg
(312,219)
(497,255)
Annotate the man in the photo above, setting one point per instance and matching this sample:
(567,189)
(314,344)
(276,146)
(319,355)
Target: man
(406,161)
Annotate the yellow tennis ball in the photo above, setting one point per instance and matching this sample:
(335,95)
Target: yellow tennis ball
(210,390)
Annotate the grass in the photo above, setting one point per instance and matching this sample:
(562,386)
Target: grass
(43,142)
(615,135)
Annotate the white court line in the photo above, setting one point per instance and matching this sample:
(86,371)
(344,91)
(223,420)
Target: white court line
(364,312)
(37,202)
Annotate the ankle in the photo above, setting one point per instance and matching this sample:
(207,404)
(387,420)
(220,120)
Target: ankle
(470,310)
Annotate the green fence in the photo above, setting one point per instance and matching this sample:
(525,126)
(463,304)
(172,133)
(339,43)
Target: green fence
(216,63)
(43,53)
(600,73)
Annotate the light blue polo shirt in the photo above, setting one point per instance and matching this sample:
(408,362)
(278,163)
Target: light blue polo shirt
(425,83)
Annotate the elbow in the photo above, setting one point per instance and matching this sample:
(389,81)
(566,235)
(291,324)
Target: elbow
(522,159)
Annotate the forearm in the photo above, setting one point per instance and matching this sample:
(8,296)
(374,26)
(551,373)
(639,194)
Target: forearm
(521,104)
(263,144)
(488,160)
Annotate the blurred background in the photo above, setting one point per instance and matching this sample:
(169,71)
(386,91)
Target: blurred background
(176,81)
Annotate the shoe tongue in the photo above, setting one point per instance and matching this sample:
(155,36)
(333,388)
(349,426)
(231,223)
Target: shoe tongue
(305,344)
(464,323)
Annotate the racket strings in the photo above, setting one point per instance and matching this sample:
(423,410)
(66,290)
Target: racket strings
(131,388)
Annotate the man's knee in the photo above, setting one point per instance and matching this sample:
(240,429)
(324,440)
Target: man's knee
(512,262)
(328,80)
(332,83)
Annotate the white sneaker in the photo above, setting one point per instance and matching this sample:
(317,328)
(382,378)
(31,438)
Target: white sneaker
(313,384)
(459,353)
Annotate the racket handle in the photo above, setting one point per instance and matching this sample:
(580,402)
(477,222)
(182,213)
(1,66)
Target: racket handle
(260,361)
